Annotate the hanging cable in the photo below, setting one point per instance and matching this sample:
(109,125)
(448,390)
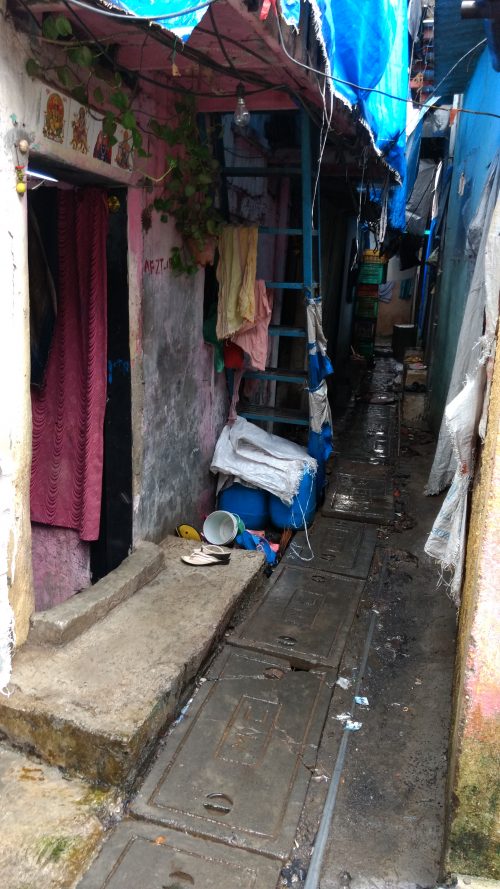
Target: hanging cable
(368,89)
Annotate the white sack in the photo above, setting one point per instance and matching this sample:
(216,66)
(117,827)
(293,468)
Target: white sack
(447,541)
(262,460)
(477,334)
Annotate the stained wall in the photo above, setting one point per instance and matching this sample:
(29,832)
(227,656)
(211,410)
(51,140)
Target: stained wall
(475,751)
(178,405)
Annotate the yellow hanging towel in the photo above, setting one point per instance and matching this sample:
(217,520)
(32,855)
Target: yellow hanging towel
(236,273)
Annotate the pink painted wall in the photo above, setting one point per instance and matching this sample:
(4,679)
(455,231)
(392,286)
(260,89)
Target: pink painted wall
(61,565)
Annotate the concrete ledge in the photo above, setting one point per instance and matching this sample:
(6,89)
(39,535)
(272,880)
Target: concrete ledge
(97,705)
(66,621)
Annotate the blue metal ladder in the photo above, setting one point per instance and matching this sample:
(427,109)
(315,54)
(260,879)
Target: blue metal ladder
(309,288)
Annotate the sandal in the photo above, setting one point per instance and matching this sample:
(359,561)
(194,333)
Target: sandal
(212,549)
(200,558)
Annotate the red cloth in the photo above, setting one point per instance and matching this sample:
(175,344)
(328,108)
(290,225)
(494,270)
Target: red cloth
(68,411)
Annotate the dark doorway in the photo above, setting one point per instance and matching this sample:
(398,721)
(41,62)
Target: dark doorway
(115,533)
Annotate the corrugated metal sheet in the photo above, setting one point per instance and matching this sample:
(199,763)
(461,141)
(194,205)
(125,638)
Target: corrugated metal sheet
(453,37)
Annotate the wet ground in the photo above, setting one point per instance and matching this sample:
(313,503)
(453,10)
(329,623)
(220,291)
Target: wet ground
(235,795)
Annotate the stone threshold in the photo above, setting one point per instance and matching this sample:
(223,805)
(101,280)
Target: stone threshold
(97,704)
(66,621)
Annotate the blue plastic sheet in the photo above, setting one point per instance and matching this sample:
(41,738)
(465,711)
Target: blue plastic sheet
(182,25)
(366,48)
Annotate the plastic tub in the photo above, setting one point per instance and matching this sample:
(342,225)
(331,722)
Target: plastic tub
(220,527)
(250,504)
(302,507)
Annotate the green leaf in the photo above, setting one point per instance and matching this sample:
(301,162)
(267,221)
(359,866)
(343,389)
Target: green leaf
(113,140)
(128,120)
(80,94)
(32,68)
(66,77)
(81,56)
(141,152)
(118,78)
(189,190)
(63,26)
(120,100)
(136,139)
(49,28)
(98,95)
(211,227)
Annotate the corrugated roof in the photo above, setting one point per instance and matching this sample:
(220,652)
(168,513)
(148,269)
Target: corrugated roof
(453,37)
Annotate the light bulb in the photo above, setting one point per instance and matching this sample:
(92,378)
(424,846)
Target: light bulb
(241,114)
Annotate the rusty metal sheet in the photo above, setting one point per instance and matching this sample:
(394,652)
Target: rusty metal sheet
(360,497)
(145,856)
(305,617)
(336,545)
(237,767)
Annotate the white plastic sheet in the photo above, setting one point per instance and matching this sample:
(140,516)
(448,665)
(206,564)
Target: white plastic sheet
(466,413)
(250,455)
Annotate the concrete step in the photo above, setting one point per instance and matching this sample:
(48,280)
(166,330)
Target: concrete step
(96,705)
(64,622)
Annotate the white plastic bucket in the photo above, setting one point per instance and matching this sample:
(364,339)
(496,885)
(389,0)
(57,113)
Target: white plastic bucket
(220,527)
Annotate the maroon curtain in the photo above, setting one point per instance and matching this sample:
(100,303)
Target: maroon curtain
(68,411)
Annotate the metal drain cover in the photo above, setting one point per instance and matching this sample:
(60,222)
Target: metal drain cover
(144,856)
(370,435)
(237,767)
(360,496)
(305,617)
(338,546)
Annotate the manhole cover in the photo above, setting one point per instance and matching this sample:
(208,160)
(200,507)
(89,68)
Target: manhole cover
(360,496)
(143,856)
(338,546)
(315,609)
(237,767)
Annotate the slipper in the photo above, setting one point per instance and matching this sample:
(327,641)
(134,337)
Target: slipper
(212,549)
(199,558)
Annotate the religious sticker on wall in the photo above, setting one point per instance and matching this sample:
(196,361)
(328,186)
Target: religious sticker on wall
(79,126)
(55,116)
(79,130)
(103,149)
(124,148)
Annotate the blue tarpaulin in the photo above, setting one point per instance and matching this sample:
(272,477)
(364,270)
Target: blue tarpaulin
(179,19)
(366,48)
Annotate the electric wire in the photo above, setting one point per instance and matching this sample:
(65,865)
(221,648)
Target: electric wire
(169,87)
(369,89)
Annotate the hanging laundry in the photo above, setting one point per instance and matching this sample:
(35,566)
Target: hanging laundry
(385,292)
(252,338)
(236,273)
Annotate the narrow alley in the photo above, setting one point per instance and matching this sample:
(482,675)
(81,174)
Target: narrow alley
(250,444)
(337,673)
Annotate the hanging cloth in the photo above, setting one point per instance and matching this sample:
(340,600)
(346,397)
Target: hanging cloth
(68,411)
(252,337)
(236,273)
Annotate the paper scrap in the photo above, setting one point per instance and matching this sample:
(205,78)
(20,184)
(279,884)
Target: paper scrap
(343,682)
